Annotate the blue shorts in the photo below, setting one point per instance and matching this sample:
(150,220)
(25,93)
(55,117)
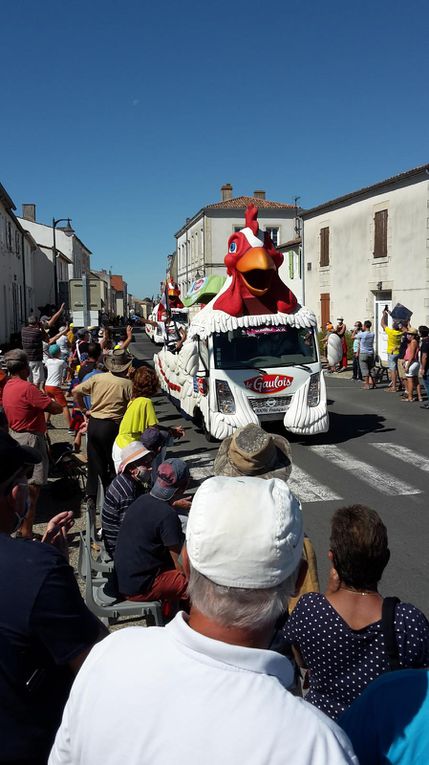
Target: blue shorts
(392,361)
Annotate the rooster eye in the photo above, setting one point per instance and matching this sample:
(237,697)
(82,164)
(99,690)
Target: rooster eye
(233,247)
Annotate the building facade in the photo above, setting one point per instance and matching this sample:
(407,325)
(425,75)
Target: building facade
(201,244)
(368,249)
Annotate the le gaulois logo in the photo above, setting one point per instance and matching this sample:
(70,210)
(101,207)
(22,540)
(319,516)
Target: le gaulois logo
(268,383)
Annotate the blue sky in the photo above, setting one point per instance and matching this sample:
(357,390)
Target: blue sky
(128,117)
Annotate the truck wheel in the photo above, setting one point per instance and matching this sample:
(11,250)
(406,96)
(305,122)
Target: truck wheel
(201,425)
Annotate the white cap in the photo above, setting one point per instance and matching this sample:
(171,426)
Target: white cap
(245,531)
(131,453)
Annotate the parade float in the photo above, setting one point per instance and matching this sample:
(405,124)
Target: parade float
(170,305)
(251,353)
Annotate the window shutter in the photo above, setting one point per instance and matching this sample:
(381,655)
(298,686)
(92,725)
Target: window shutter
(324,246)
(380,234)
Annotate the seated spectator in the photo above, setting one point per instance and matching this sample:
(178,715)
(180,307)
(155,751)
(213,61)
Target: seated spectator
(56,367)
(150,540)
(388,723)
(222,695)
(133,479)
(46,631)
(342,636)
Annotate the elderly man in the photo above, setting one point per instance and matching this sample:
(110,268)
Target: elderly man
(25,406)
(46,631)
(206,689)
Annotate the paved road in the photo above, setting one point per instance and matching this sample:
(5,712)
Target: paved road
(376,453)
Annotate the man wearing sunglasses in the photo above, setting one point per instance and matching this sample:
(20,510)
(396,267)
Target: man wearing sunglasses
(46,631)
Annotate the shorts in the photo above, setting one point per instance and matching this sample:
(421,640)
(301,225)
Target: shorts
(392,361)
(366,363)
(413,370)
(37,372)
(57,394)
(38,442)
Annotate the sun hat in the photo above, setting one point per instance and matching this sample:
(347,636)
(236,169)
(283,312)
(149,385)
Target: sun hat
(132,452)
(54,349)
(252,451)
(245,532)
(171,475)
(154,439)
(118,361)
(13,456)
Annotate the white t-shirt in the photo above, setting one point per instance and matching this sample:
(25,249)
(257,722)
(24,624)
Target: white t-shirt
(163,695)
(55,369)
(64,346)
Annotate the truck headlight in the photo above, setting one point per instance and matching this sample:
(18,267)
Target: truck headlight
(313,395)
(225,399)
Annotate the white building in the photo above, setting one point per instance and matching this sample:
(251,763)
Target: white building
(16,271)
(76,259)
(201,244)
(368,249)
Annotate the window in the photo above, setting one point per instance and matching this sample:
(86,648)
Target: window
(263,346)
(9,236)
(324,246)
(380,234)
(17,248)
(273,232)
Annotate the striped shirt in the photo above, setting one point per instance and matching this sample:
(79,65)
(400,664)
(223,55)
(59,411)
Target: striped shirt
(121,493)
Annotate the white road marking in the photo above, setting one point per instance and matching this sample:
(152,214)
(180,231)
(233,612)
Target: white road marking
(203,467)
(404,454)
(307,489)
(379,480)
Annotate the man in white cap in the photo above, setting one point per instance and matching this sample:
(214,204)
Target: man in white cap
(205,689)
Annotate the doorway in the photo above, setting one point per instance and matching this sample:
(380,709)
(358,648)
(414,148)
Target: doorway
(381,300)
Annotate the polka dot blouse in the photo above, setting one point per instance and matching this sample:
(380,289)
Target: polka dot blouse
(342,661)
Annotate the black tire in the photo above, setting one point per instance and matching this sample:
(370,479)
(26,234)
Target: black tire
(200,424)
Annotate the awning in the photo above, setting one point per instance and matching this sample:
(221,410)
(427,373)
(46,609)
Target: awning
(203,290)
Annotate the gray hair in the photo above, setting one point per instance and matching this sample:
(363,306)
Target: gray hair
(16,360)
(238,606)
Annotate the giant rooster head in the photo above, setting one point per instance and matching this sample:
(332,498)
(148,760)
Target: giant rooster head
(253,263)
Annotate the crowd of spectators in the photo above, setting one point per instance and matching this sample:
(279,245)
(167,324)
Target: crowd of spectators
(255,663)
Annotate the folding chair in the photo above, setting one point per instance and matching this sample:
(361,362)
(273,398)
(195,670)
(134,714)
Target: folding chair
(107,608)
(380,373)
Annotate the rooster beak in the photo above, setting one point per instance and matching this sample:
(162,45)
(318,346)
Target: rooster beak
(257,269)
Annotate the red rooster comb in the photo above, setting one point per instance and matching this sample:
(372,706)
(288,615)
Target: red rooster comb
(251,218)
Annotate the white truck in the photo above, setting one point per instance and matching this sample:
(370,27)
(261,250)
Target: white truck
(238,367)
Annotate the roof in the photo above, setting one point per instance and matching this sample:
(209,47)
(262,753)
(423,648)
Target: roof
(5,198)
(238,203)
(291,243)
(408,174)
(117,282)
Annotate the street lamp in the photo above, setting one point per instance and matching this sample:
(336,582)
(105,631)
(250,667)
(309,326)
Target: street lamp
(54,251)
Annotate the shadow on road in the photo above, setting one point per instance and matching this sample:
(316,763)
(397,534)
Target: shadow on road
(342,427)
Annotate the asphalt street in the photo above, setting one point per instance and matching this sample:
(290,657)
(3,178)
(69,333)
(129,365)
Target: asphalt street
(375,453)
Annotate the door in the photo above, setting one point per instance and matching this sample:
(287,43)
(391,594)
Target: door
(325,309)
(380,335)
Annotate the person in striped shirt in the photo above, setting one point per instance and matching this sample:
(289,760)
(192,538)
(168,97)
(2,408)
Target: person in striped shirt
(133,479)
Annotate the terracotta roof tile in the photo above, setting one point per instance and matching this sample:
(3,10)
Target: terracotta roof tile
(117,282)
(240,203)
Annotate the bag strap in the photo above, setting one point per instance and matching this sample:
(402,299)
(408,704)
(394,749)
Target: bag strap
(388,630)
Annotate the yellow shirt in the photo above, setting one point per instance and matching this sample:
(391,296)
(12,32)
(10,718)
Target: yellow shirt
(139,416)
(110,395)
(393,339)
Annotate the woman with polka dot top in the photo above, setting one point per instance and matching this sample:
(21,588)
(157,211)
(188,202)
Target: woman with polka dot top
(338,636)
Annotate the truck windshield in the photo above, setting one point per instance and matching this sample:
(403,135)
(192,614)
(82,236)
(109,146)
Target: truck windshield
(264,346)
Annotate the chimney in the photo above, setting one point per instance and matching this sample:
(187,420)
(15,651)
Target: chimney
(226,192)
(29,212)
(259,194)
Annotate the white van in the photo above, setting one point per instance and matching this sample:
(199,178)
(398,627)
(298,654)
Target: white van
(237,370)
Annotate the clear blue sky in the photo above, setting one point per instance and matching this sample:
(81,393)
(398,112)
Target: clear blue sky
(129,116)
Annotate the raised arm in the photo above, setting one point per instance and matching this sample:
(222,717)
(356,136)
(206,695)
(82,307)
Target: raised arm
(56,315)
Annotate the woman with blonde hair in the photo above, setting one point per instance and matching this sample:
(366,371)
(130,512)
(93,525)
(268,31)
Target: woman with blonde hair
(140,413)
